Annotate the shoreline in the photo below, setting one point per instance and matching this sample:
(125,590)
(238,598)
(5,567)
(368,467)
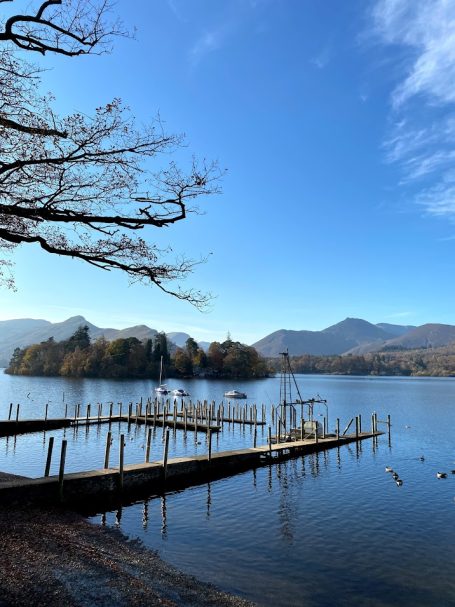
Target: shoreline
(57,557)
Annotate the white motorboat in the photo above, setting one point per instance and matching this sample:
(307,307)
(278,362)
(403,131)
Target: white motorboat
(180,392)
(235,394)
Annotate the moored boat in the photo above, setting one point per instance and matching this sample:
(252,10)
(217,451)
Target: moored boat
(180,392)
(235,394)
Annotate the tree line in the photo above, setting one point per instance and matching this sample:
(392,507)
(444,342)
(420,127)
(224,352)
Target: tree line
(78,356)
(437,362)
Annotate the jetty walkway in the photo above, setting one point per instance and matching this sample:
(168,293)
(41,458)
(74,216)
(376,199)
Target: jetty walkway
(85,489)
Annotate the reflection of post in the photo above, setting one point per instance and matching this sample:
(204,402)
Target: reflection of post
(145,514)
(166,451)
(163,517)
(209,499)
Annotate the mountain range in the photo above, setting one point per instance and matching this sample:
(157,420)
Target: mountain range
(23,332)
(356,336)
(350,336)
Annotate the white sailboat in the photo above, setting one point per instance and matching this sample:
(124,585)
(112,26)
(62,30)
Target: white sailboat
(162,388)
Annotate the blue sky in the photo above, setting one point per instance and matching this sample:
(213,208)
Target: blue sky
(335,122)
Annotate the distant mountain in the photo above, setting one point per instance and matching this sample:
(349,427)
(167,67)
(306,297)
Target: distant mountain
(23,332)
(336,339)
(355,336)
(396,330)
(431,335)
(179,339)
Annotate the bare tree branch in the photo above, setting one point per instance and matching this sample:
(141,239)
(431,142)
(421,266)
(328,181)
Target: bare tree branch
(84,186)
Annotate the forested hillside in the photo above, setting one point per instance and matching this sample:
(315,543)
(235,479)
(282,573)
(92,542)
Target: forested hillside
(437,362)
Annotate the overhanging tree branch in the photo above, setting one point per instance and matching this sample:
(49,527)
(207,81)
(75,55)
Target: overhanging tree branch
(84,186)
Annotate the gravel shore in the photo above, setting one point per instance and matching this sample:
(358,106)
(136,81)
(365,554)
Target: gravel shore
(54,557)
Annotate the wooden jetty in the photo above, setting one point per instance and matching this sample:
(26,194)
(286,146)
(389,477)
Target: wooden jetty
(131,481)
(26,426)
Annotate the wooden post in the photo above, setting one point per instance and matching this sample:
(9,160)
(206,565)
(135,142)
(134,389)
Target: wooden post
(111,405)
(17,412)
(302,428)
(49,456)
(66,410)
(209,437)
(270,441)
(121,459)
(147,448)
(357,427)
(10,411)
(372,423)
(108,449)
(130,408)
(375,421)
(316,432)
(61,471)
(255,436)
(88,412)
(120,405)
(388,425)
(360,424)
(99,412)
(324,430)
(185,418)
(338,428)
(46,412)
(166,451)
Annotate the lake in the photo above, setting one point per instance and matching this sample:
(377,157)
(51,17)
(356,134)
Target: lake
(330,528)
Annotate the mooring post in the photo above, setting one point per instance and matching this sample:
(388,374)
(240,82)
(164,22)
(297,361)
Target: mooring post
(360,423)
(49,456)
(270,441)
(388,425)
(338,428)
(46,411)
(302,428)
(255,436)
(185,418)
(316,432)
(88,412)
(130,408)
(121,459)
(375,422)
(10,411)
(357,427)
(372,423)
(17,412)
(108,449)
(147,448)
(324,427)
(99,412)
(166,451)
(209,438)
(61,471)
(66,409)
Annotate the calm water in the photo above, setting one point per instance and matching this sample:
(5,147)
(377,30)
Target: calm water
(328,529)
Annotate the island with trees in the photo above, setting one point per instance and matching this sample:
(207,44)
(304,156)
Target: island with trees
(132,358)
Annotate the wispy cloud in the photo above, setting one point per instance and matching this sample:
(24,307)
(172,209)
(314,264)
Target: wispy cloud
(422,131)
(208,42)
(321,60)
